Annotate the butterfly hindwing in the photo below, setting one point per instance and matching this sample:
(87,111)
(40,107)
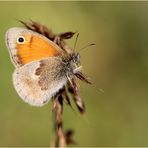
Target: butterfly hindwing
(38,81)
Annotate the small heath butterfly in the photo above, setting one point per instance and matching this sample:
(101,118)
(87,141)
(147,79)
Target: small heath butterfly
(42,67)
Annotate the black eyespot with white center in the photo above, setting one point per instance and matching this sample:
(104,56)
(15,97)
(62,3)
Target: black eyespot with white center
(20,40)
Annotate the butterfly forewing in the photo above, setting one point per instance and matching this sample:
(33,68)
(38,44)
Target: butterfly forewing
(34,46)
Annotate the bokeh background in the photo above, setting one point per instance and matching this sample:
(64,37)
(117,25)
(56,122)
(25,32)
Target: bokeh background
(118,64)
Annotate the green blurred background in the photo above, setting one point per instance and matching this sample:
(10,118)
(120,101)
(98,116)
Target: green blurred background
(118,64)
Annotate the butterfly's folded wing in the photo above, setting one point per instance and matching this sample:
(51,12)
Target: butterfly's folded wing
(38,81)
(34,47)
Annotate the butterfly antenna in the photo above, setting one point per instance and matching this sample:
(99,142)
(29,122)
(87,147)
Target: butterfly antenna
(99,90)
(82,49)
(76,42)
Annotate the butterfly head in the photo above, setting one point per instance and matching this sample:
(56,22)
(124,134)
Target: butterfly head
(72,62)
(75,58)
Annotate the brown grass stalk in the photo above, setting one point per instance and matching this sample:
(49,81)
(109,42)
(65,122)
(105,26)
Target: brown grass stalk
(60,138)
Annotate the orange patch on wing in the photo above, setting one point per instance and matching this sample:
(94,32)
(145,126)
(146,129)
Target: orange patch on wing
(35,48)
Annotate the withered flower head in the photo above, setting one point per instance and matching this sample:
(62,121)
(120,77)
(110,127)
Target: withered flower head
(71,87)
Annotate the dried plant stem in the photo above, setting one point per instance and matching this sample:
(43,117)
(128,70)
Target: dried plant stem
(59,138)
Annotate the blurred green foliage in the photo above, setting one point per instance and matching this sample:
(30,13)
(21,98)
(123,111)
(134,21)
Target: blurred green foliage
(118,64)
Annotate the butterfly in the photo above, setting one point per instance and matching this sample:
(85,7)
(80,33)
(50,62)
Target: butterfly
(42,68)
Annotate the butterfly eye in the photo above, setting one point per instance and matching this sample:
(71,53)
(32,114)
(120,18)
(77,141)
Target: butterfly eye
(20,40)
